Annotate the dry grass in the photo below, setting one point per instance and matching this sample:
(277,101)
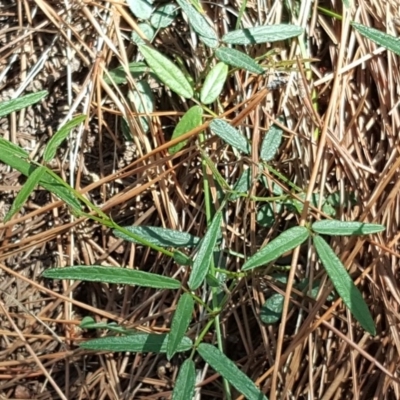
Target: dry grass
(317,352)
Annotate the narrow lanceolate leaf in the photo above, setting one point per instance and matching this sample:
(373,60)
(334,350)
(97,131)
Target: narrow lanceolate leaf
(118,75)
(345,228)
(230,135)
(204,256)
(238,59)
(167,72)
(262,34)
(286,241)
(199,24)
(9,106)
(344,285)
(137,343)
(55,142)
(180,323)
(271,143)
(11,149)
(190,120)
(96,273)
(184,385)
(381,38)
(164,16)
(162,237)
(214,83)
(228,370)
(141,8)
(266,214)
(90,323)
(24,193)
(13,156)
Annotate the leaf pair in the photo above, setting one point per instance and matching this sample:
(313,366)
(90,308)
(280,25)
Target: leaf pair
(184,386)
(233,137)
(173,77)
(16,157)
(185,383)
(338,274)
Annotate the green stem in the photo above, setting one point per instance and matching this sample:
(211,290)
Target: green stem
(240,15)
(329,13)
(104,219)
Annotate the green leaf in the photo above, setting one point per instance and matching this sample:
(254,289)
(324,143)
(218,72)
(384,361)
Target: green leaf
(90,323)
(262,34)
(238,59)
(141,8)
(345,228)
(164,16)
(266,214)
(118,75)
(9,106)
(344,285)
(185,382)
(181,258)
(276,189)
(199,24)
(32,181)
(167,72)
(137,343)
(11,155)
(347,3)
(212,281)
(12,150)
(143,100)
(228,370)
(286,241)
(60,136)
(97,273)
(381,38)
(270,145)
(180,323)
(214,83)
(190,120)
(336,200)
(87,323)
(147,31)
(126,132)
(204,256)
(242,185)
(305,283)
(328,210)
(162,237)
(230,135)
(271,310)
